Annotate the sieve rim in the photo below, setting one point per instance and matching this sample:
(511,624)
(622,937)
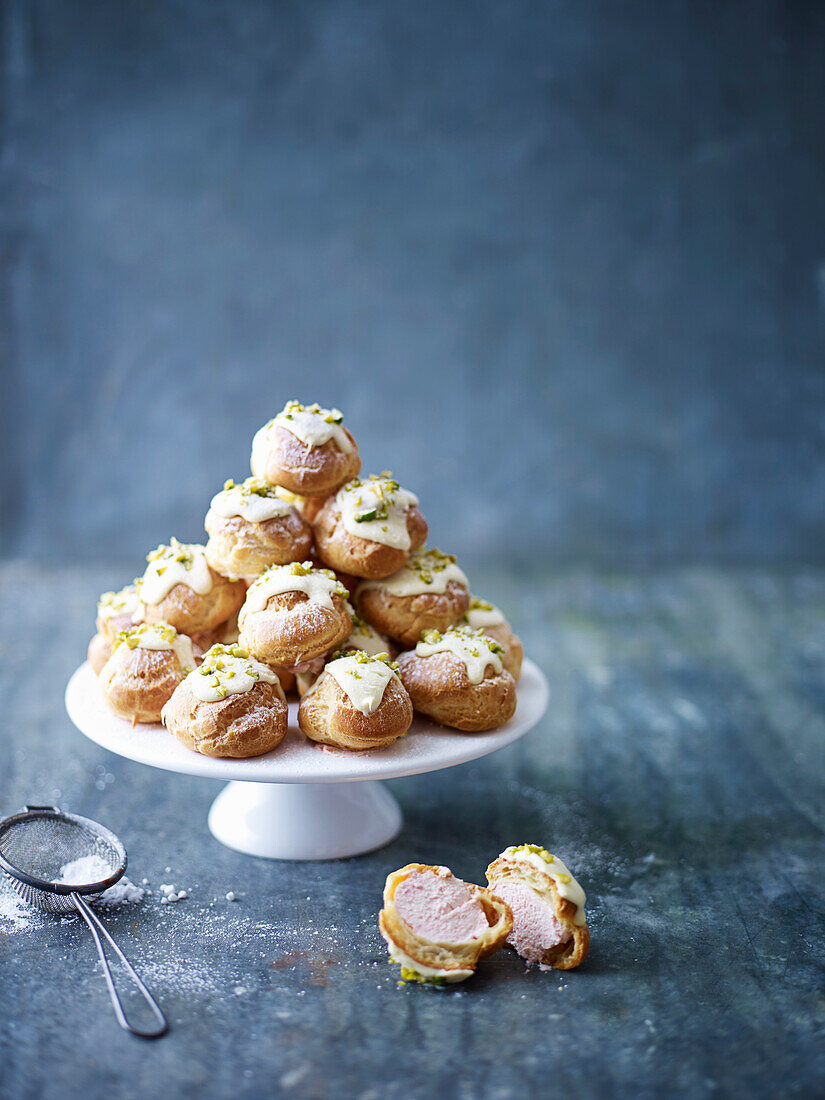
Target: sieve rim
(53,814)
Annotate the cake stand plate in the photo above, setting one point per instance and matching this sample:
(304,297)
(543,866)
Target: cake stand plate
(304,801)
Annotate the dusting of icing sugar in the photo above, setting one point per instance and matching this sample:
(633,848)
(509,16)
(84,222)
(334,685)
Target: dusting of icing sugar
(311,424)
(177,563)
(253,500)
(473,648)
(88,869)
(319,585)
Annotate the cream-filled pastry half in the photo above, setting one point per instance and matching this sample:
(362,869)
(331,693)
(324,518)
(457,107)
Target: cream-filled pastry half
(370,527)
(458,678)
(293,614)
(437,927)
(305,449)
(251,527)
(549,923)
(485,616)
(356,703)
(180,587)
(147,664)
(428,592)
(230,706)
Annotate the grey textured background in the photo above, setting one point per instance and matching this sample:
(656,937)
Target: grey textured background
(561,264)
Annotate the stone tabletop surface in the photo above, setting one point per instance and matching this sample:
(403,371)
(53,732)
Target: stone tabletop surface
(680,772)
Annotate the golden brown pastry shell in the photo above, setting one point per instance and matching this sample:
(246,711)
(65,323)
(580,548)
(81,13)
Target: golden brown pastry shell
(327,715)
(443,956)
(99,652)
(405,618)
(238,726)
(511,643)
(110,628)
(238,548)
(440,688)
(564,956)
(190,613)
(291,629)
(339,549)
(308,471)
(137,683)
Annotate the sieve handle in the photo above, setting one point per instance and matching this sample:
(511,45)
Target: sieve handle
(97,930)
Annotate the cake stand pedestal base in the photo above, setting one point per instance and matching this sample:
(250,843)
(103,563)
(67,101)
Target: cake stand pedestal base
(304,820)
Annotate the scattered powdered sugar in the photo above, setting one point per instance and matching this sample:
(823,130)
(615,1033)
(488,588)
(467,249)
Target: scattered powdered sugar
(170,893)
(15,914)
(93,868)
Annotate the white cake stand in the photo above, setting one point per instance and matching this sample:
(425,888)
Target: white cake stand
(303,801)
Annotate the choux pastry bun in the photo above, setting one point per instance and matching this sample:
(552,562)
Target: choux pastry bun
(292,614)
(458,678)
(147,664)
(251,527)
(549,924)
(305,449)
(357,703)
(369,527)
(487,617)
(437,927)
(116,611)
(181,588)
(231,705)
(429,592)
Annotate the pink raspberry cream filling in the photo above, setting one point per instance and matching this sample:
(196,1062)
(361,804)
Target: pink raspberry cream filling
(442,910)
(535,927)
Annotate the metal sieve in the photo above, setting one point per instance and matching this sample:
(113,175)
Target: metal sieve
(34,846)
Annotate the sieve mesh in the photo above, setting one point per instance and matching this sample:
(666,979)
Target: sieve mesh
(35,845)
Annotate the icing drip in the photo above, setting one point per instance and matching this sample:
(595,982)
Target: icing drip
(227,670)
(376,509)
(424,571)
(553,867)
(113,605)
(311,424)
(362,678)
(482,614)
(474,649)
(177,563)
(252,500)
(319,585)
(160,637)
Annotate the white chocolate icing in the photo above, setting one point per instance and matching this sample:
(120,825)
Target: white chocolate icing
(552,866)
(482,614)
(311,424)
(177,563)
(424,571)
(382,499)
(365,637)
(113,605)
(319,586)
(160,637)
(362,678)
(427,972)
(227,670)
(474,649)
(253,500)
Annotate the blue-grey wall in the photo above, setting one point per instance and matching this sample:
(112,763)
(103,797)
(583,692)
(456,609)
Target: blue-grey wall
(562,264)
